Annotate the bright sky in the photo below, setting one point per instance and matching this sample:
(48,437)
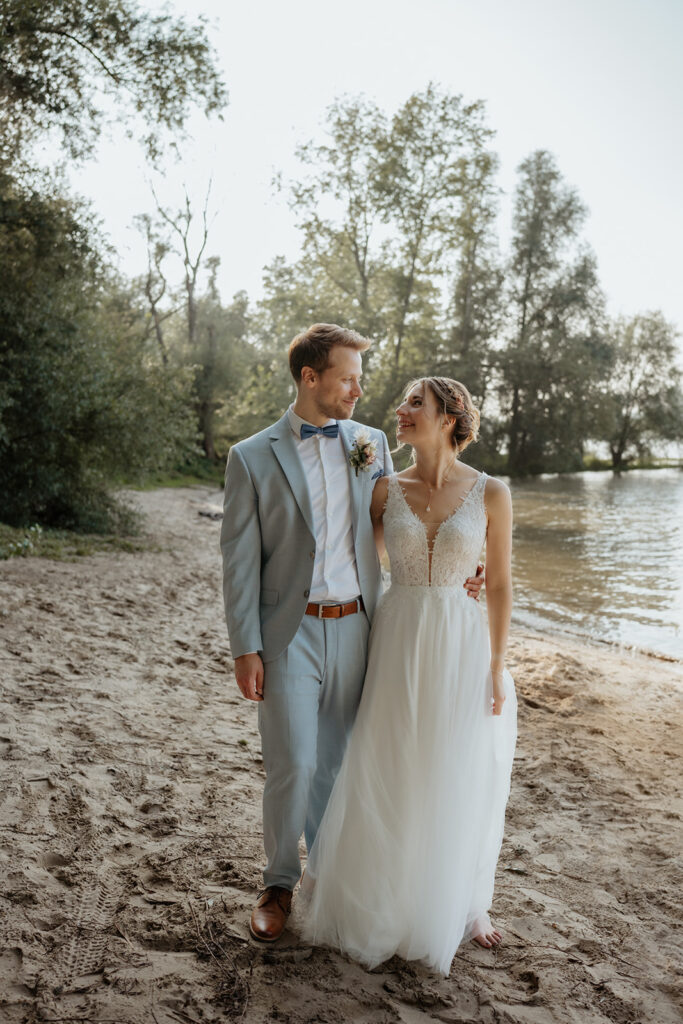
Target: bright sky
(597,82)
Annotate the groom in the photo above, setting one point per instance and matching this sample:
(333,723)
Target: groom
(301,579)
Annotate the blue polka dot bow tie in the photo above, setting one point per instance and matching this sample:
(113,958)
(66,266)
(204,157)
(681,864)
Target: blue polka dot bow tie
(331,430)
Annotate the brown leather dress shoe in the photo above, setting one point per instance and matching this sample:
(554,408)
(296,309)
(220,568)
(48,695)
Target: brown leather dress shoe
(270,914)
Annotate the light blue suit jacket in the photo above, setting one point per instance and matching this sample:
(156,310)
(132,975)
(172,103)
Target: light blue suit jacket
(268,541)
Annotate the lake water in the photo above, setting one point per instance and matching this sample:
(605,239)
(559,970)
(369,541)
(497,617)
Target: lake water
(601,555)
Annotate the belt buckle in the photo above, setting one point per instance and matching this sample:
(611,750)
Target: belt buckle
(321,608)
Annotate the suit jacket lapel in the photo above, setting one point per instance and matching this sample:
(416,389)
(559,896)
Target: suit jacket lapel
(284,448)
(355,482)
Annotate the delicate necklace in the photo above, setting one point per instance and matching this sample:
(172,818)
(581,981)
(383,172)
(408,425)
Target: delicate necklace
(430,490)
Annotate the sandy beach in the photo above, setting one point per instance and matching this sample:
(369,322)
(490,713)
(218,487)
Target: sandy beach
(130,843)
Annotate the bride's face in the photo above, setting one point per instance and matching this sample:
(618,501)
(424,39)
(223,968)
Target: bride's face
(419,418)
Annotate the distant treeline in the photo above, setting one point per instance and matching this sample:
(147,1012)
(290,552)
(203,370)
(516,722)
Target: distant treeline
(102,377)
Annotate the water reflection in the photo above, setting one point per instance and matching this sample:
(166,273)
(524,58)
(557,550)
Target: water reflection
(602,555)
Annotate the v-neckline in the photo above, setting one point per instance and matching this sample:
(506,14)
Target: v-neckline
(452,515)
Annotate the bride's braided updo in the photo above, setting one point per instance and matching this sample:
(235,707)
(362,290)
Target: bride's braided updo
(455,401)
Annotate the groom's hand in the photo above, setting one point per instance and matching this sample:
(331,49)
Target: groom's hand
(249,676)
(473,584)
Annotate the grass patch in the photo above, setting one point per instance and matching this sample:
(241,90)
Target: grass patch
(592,462)
(64,545)
(175,480)
(199,472)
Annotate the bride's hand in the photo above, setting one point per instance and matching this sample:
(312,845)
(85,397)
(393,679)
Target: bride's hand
(498,698)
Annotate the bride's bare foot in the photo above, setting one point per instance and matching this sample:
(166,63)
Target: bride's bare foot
(489,938)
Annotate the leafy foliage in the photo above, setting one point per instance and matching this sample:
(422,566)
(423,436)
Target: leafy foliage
(61,65)
(82,398)
(86,395)
(642,400)
(102,379)
(398,218)
(556,355)
(65,544)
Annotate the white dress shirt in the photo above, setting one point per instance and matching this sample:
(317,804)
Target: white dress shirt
(335,574)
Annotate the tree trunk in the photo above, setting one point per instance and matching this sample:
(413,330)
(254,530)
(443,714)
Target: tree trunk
(618,447)
(513,433)
(617,452)
(159,335)
(191,314)
(206,424)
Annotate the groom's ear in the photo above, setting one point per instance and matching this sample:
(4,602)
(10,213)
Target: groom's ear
(308,375)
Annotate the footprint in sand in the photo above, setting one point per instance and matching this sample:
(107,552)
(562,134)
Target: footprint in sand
(60,867)
(45,925)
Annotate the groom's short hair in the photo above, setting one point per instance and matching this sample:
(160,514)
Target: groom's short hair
(313,347)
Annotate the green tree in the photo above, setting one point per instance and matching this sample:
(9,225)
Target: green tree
(434,143)
(555,355)
(219,360)
(339,212)
(291,302)
(154,284)
(385,207)
(83,399)
(84,394)
(62,64)
(642,400)
(474,316)
(192,327)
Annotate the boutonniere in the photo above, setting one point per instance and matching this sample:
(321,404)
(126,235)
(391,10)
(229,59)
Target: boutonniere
(363,451)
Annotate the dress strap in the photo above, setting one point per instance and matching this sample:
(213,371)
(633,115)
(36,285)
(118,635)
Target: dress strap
(480,487)
(392,485)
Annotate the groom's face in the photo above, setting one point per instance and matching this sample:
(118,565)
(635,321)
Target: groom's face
(337,388)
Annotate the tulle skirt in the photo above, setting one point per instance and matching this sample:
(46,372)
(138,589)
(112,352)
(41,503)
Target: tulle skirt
(405,857)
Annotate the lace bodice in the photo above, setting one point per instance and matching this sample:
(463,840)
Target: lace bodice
(456,547)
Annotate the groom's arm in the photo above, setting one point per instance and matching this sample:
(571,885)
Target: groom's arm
(241,548)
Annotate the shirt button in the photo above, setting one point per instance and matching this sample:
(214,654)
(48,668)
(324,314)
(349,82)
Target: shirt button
(306,593)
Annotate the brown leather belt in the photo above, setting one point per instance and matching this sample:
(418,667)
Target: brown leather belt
(335,611)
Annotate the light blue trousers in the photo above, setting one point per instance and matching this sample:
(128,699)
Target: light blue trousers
(310,697)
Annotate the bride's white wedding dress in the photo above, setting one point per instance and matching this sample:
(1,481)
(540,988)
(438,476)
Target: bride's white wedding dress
(405,857)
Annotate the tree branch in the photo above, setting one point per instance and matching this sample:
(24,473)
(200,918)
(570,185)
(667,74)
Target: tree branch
(46,30)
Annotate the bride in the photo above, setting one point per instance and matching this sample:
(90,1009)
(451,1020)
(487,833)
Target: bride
(405,857)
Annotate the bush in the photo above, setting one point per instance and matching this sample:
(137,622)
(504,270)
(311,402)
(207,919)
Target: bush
(83,397)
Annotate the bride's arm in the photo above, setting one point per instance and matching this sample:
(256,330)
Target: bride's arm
(379,500)
(498,580)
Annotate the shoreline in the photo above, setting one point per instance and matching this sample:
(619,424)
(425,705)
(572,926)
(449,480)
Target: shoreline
(586,639)
(60,544)
(130,820)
